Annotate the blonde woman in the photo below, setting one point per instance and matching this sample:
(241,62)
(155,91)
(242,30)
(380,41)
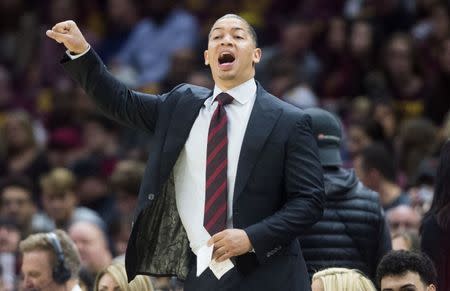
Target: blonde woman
(114,278)
(341,279)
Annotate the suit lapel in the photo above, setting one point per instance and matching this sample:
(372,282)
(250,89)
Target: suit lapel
(260,125)
(183,117)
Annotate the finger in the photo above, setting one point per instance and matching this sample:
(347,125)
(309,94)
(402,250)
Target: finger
(219,252)
(210,242)
(217,237)
(62,27)
(59,37)
(223,257)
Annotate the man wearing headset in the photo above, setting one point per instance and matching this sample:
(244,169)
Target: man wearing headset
(50,262)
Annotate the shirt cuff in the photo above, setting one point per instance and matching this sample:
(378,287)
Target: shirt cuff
(76,56)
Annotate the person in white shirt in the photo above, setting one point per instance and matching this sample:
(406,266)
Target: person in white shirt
(233,175)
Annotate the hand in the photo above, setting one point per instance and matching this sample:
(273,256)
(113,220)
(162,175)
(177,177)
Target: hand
(230,243)
(68,33)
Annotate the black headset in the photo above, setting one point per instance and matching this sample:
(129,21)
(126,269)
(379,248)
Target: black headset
(61,274)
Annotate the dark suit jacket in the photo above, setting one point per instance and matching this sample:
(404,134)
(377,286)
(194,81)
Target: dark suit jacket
(279,183)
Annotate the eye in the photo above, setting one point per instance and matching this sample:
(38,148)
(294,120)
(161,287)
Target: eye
(238,37)
(216,37)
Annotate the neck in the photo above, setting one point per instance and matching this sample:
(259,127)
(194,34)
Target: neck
(226,85)
(388,192)
(69,285)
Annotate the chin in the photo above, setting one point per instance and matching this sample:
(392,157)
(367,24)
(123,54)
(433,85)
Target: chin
(226,75)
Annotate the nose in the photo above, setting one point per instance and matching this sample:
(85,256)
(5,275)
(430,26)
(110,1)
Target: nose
(226,40)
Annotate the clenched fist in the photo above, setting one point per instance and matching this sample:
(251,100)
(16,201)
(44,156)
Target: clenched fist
(68,33)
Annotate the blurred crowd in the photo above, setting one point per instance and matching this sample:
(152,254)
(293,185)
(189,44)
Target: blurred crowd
(383,66)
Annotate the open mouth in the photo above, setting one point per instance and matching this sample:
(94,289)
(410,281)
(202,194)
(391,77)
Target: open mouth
(226,58)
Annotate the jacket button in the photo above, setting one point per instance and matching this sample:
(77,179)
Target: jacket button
(151,196)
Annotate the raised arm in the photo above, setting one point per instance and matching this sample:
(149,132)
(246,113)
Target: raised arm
(131,108)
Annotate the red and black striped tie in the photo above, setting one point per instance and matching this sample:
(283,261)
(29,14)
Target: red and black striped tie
(215,218)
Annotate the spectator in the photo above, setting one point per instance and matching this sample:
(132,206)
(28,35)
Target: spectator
(341,279)
(165,22)
(92,187)
(16,204)
(376,169)
(9,99)
(22,154)
(361,134)
(401,78)
(119,231)
(60,201)
(416,140)
(352,232)
(18,34)
(384,114)
(436,104)
(333,57)
(114,278)
(100,142)
(64,146)
(125,182)
(362,51)
(9,248)
(435,230)
(404,270)
(50,262)
(121,17)
(438,31)
(93,245)
(422,187)
(295,46)
(403,218)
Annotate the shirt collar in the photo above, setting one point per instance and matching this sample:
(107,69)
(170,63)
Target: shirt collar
(241,93)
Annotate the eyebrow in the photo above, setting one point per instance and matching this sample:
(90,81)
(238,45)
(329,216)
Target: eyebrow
(402,287)
(407,286)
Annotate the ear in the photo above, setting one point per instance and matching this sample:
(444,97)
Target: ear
(257,54)
(431,287)
(205,55)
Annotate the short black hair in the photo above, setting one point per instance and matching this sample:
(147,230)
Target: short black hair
(250,28)
(377,157)
(398,263)
(21,182)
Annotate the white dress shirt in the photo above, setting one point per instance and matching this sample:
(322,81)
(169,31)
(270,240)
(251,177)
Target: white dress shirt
(190,168)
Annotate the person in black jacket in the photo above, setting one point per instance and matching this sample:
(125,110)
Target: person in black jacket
(352,232)
(435,230)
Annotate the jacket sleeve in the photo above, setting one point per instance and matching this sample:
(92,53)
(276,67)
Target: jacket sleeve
(304,190)
(131,108)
